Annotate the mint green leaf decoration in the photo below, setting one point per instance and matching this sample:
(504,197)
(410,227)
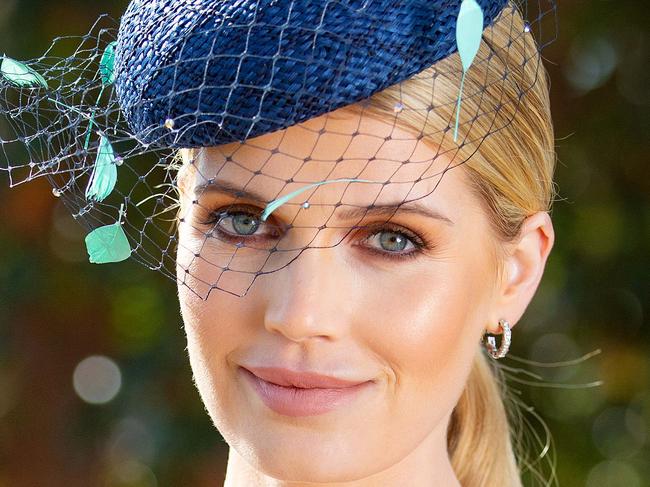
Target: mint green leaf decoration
(21,74)
(469,29)
(107,73)
(108,244)
(104,175)
(107,64)
(280,201)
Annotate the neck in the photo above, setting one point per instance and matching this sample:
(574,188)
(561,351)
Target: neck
(428,464)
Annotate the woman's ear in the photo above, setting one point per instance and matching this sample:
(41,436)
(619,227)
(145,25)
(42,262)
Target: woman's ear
(523,269)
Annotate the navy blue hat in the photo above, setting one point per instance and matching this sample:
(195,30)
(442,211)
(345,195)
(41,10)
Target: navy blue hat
(224,71)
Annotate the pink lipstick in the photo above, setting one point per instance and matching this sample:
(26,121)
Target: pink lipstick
(301,394)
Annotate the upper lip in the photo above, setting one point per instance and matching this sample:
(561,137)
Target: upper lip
(303,379)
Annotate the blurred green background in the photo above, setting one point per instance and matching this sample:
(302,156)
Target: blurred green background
(95,385)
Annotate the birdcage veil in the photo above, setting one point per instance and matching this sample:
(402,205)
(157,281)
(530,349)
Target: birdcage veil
(112,117)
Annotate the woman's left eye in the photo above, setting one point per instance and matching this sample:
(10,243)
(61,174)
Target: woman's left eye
(391,241)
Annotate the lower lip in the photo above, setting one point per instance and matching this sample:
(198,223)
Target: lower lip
(296,401)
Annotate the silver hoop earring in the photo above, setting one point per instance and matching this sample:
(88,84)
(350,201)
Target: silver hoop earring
(491,343)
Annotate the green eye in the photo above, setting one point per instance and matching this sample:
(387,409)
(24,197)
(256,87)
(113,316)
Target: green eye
(243,223)
(392,241)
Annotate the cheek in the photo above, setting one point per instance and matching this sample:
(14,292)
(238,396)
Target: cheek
(427,333)
(212,327)
(213,331)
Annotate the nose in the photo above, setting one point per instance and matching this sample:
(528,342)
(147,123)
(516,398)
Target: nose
(309,297)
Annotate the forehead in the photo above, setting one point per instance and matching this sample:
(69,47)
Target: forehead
(343,144)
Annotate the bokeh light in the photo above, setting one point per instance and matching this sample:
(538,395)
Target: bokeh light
(619,432)
(591,63)
(97,379)
(132,473)
(613,473)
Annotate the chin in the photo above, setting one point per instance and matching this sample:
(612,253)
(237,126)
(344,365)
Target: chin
(321,461)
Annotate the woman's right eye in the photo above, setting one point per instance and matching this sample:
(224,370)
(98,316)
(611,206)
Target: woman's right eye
(243,223)
(239,224)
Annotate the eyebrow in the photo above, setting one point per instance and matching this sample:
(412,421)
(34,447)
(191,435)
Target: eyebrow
(413,208)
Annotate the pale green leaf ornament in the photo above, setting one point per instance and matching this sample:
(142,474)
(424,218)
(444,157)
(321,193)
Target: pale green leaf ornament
(107,73)
(108,243)
(107,64)
(469,29)
(20,74)
(273,205)
(104,175)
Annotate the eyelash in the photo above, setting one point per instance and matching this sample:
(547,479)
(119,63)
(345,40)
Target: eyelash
(420,244)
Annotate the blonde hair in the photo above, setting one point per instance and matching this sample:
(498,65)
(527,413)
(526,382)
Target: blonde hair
(511,171)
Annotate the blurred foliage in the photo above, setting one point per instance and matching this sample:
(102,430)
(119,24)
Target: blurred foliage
(56,309)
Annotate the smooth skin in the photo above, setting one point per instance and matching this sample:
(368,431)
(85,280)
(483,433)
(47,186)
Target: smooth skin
(411,325)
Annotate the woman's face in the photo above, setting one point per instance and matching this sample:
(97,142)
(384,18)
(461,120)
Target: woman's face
(353,310)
